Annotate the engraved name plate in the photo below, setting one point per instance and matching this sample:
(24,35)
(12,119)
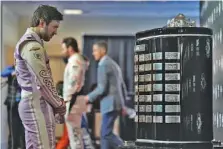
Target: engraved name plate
(136,98)
(141,78)
(172,87)
(172,66)
(136,88)
(190,83)
(157,77)
(141,68)
(136,118)
(148,108)
(147,67)
(172,97)
(136,68)
(142,108)
(136,108)
(172,76)
(192,49)
(147,57)
(142,118)
(194,83)
(148,87)
(197,47)
(187,54)
(157,108)
(157,66)
(157,97)
(148,119)
(141,58)
(172,108)
(172,119)
(208,48)
(172,55)
(148,98)
(141,98)
(147,77)
(157,87)
(214,119)
(157,56)
(141,88)
(136,58)
(136,78)
(141,47)
(157,119)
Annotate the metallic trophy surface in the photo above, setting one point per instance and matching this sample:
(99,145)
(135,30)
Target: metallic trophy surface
(181,21)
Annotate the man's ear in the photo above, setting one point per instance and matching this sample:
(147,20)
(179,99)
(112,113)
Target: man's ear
(70,50)
(41,23)
(104,51)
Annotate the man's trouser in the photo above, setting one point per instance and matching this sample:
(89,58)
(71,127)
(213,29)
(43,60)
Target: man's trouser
(108,139)
(16,138)
(86,141)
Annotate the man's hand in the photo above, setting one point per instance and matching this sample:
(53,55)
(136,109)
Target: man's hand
(131,113)
(59,119)
(89,108)
(78,88)
(86,98)
(61,110)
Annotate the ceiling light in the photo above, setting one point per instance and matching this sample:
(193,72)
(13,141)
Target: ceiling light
(72,11)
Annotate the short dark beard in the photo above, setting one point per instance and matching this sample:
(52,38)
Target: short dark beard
(44,35)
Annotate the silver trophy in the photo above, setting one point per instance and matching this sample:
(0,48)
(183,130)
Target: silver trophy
(181,21)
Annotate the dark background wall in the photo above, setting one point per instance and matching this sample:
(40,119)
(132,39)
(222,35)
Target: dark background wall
(211,16)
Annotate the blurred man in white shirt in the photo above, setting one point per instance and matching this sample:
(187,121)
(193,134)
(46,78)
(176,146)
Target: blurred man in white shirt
(74,77)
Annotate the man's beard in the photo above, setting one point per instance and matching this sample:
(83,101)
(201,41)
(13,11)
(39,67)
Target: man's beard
(45,36)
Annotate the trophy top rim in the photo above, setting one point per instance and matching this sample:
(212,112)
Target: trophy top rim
(174,30)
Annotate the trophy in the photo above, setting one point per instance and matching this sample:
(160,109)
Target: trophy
(173,68)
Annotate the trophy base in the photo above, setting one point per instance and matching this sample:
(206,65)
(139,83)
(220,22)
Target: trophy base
(176,144)
(154,144)
(146,147)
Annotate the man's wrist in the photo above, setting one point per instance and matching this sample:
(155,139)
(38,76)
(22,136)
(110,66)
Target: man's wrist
(68,98)
(87,99)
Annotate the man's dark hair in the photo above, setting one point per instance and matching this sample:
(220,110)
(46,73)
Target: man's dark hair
(47,13)
(102,44)
(70,41)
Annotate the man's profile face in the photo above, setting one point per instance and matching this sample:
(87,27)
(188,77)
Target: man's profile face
(50,30)
(64,49)
(97,52)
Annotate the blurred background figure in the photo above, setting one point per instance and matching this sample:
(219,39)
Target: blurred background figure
(74,78)
(112,89)
(16,138)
